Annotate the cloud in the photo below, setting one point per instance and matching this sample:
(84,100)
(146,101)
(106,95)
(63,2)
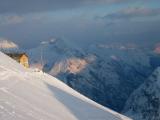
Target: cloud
(29,35)
(11,19)
(131,13)
(75,26)
(29,6)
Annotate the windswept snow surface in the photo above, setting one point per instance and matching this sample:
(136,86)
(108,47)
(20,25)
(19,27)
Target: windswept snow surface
(29,95)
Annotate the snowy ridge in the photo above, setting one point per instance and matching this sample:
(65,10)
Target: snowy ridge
(26,95)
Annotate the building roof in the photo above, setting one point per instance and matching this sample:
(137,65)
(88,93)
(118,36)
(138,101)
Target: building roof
(16,56)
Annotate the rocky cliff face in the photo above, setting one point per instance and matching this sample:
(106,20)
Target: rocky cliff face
(110,79)
(144,103)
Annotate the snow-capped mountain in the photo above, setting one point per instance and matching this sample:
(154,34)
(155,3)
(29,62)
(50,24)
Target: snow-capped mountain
(7,45)
(29,95)
(144,103)
(157,48)
(51,52)
(107,74)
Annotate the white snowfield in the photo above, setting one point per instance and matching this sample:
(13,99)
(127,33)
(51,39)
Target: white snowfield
(29,95)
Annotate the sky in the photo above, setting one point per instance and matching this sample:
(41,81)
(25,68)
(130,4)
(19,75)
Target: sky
(28,22)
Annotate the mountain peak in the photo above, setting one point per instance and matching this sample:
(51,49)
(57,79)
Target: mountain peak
(7,44)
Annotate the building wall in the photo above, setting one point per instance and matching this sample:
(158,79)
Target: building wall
(24,61)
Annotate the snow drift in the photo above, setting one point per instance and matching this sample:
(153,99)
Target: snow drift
(27,95)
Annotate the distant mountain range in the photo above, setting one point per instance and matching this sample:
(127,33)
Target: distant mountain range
(106,73)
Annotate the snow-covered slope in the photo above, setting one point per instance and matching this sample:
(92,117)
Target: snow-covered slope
(27,95)
(144,103)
